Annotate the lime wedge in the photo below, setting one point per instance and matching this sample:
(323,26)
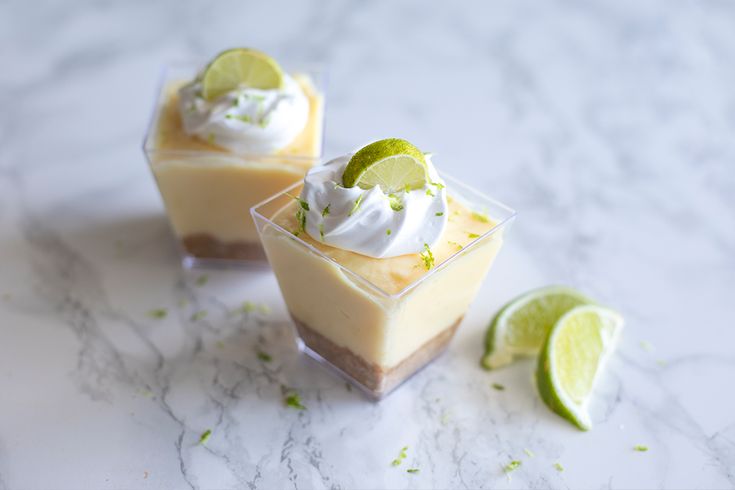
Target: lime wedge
(240,66)
(572,358)
(521,326)
(393,164)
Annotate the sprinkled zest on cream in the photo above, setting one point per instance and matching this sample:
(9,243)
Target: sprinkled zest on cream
(356,207)
(528,452)
(640,448)
(246,120)
(358,218)
(512,466)
(473,235)
(412,470)
(498,386)
(558,467)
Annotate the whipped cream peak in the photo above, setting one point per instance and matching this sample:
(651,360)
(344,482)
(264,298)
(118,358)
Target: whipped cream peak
(371,222)
(246,120)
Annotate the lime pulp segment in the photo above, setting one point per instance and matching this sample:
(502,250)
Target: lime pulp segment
(240,67)
(572,358)
(521,326)
(393,164)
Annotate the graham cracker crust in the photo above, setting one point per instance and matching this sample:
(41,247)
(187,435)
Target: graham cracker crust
(377,380)
(205,246)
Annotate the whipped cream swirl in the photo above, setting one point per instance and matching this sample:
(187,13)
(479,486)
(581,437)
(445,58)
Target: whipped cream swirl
(370,222)
(246,120)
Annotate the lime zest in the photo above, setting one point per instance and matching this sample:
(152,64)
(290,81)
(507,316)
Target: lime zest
(325,211)
(427,257)
(512,466)
(356,207)
(438,185)
(198,315)
(473,235)
(412,470)
(388,232)
(401,456)
(205,437)
(455,244)
(158,313)
(429,193)
(558,467)
(263,356)
(528,452)
(321,231)
(498,386)
(293,400)
(438,214)
(640,448)
(396,204)
(482,217)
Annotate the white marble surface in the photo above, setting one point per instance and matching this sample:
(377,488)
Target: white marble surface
(609,126)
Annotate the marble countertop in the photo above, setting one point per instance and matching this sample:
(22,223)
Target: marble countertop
(609,126)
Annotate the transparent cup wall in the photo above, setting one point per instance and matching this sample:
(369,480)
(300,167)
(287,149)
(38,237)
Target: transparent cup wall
(208,192)
(374,339)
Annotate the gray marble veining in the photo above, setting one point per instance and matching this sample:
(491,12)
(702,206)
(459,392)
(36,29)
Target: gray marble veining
(610,126)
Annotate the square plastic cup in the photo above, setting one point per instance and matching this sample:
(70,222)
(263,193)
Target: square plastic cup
(377,340)
(207,191)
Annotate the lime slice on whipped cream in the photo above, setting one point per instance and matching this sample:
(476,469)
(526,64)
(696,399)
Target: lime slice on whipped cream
(572,358)
(240,67)
(520,328)
(393,164)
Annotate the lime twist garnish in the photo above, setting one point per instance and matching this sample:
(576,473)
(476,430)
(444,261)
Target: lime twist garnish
(572,358)
(393,164)
(520,327)
(240,67)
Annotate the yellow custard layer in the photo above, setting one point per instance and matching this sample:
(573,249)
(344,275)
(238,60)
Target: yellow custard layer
(208,190)
(393,274)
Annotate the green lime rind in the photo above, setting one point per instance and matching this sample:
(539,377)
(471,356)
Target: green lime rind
(392,163)
(237,67)
(521,326)
(565,348)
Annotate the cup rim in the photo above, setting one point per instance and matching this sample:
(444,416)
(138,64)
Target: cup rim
(317,73)
(505,221)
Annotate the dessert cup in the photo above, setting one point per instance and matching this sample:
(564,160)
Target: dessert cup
(376,338)
(208,190)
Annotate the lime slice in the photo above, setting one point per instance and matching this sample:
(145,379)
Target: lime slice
(240,66)
(393,164)
(572,358)
(522,325)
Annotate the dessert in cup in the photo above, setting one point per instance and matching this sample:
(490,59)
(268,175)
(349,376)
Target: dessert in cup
(224,137)
(378,256)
